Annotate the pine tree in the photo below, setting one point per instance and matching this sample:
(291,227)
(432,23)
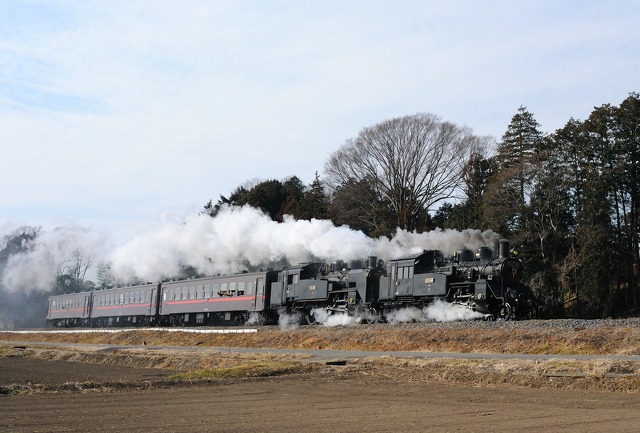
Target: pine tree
(510,186)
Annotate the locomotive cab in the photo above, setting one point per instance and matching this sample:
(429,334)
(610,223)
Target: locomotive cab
(413,280)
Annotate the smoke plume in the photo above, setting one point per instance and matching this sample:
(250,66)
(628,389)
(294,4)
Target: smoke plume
(240,238)
(237,239)
(37,262)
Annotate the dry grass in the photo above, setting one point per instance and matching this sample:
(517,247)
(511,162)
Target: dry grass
(253,369)
(604,341)
(192,365)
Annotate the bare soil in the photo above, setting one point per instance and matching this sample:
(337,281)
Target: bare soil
(86,388)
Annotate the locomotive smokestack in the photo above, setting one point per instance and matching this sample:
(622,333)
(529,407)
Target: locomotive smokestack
(504,248)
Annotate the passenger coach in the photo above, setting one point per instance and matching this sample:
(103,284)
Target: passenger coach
(72,309)
(230,299)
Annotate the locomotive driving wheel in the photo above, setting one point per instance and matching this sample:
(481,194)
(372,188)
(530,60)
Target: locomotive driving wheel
(370,316)
(505,311)
(309,317)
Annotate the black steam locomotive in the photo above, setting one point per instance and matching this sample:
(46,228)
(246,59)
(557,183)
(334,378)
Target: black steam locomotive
(371,290)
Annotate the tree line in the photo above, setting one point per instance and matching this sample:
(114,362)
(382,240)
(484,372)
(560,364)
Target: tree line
(568,201)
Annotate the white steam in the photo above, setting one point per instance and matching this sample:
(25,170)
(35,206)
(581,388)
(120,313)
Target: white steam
(287,321)
(50,254)
(242,237)
(330,320)
(235,240)
(437,311)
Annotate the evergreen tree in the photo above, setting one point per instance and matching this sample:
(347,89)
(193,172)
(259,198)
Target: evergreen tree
(314,202)
(294,190)
(627,177)
(511,184)
(594,262)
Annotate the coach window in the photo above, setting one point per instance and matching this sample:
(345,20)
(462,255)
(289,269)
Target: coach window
(224,289)
(232,289)
(199,292)
(192,292)
(207,291)
(185,293)
(177,294)
(241,288)
(215,290)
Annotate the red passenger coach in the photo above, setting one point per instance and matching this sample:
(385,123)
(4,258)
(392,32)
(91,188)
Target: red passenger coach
(125,306)
(72,309)
(228,299)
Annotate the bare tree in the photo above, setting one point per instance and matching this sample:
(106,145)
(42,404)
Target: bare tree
(412,163)
(72,271)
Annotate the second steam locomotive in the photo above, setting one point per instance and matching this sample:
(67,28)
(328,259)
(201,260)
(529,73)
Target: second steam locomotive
(482,281)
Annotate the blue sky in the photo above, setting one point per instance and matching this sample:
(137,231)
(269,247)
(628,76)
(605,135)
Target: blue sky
(117,114)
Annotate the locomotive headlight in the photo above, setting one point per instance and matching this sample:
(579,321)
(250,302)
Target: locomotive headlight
(479,296)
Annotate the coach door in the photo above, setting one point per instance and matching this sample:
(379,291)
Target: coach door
(259,303)
(86,306)
(152,302)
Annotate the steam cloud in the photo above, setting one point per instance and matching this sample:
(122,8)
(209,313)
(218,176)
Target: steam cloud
(243,237)
(437,311)
(237,239)
(40,260)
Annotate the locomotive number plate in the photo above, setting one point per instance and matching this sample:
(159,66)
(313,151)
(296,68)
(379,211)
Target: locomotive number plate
(429,280)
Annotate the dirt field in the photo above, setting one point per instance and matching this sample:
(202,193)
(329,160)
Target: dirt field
(147,388)
(323,401)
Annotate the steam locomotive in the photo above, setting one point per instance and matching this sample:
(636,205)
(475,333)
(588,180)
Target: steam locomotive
(369,290)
